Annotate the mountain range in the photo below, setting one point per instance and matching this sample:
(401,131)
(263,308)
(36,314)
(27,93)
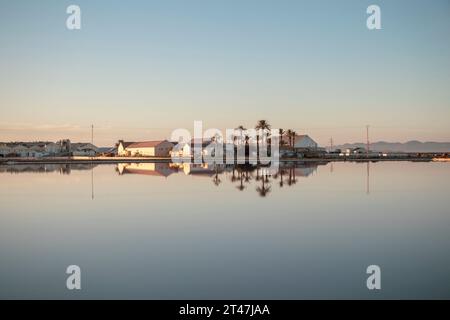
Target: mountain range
(410,146)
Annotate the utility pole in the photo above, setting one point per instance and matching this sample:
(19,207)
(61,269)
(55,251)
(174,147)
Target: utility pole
(331,144)
(367,136)
(368,178)
(92,134)
(92,182)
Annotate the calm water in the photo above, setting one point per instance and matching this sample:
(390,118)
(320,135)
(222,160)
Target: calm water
(158,231)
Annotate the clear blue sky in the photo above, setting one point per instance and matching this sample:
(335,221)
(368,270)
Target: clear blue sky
(139,69)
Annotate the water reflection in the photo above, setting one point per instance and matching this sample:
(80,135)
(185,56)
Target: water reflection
(257,177)
(303,230)
(263,177)
(46,168)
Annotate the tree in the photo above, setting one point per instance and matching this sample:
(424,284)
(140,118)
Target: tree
(281,133)
(261,126)
(289,135)
(293,137)
(241,129)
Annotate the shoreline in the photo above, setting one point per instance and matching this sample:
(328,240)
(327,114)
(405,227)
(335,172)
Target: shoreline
(116,160)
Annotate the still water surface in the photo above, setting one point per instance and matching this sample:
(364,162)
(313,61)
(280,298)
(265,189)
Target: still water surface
(160,231)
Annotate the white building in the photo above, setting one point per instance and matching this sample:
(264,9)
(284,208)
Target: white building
(301,142)
(354,151)
(304,142)
(83,149)
(43,149)
(159,148)
(4,150)
(194,148)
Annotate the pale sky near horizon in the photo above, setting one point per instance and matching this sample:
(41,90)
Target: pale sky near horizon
(139,69)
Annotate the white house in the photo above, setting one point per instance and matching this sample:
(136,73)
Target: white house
(301,142)
(160,148)
(304,142)
(52,148)
(83,149)
(20,150)
(354,151)
(4,150)
(199,147)
(121,147)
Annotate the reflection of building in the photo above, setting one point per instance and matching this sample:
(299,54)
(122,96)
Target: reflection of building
(203,169)
(305,170)
(146,148)
(151,169)
(61,168)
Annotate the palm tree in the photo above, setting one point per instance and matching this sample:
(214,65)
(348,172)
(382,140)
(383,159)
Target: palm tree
(281,133)
(289,135)
(241,129)
(293,137)
(262,125)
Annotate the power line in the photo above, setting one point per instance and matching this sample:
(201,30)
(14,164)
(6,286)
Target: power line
(367,137)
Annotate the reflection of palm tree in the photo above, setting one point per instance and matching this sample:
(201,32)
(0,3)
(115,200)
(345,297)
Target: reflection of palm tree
(241,185)
(216,178)
(247,177)
(294,180)
(263,190)
(281,178)
(257,174)
(233,175)
(290,177)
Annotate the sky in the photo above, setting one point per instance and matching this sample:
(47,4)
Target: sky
(139,69)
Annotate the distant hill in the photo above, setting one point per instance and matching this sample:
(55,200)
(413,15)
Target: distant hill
(410,146)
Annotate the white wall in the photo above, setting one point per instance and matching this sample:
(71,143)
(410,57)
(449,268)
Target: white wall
(306,142)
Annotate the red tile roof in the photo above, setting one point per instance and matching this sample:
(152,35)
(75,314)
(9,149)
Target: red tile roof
(146,144)
(126,144)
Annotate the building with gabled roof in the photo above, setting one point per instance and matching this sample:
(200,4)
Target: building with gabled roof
(302,141)
(157,148)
